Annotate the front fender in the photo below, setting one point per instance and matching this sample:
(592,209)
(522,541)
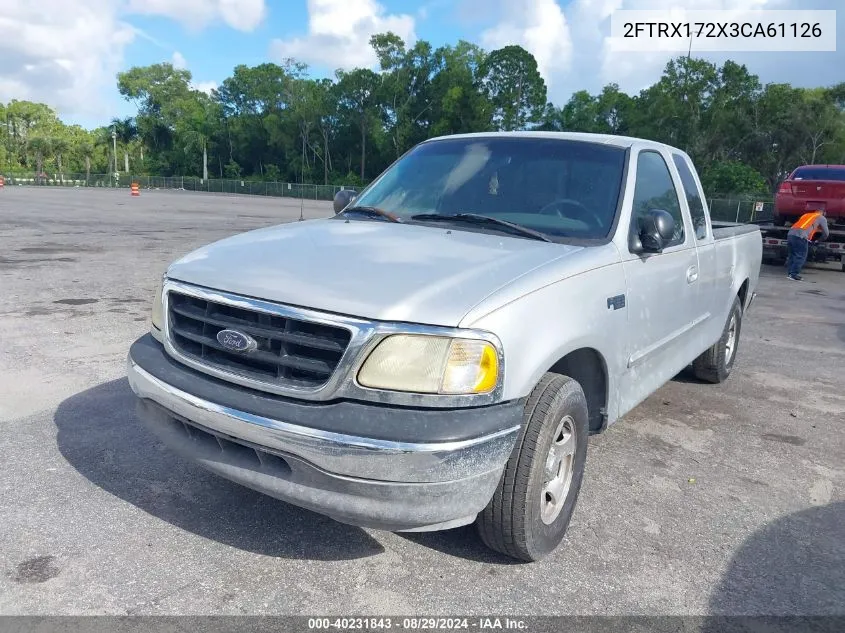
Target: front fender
(541,327)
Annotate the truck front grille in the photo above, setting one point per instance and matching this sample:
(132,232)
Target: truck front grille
(290,352)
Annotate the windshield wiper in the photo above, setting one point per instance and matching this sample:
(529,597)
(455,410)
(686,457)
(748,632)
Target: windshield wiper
(475,218)
(373,212)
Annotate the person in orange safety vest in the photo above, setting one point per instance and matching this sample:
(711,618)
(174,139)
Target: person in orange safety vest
(798,241)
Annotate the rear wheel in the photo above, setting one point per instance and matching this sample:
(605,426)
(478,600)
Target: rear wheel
(716,363)
(530,510)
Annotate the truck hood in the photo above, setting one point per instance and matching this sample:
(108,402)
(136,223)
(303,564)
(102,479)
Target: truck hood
(369,269)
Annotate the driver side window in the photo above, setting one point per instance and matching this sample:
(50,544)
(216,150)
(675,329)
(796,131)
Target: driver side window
(654,189)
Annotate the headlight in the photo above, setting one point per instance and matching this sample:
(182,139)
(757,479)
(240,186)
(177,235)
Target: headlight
(431,364)
(157,317)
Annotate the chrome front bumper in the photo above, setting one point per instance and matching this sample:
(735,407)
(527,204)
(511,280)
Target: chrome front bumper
(340,454)
(363,481)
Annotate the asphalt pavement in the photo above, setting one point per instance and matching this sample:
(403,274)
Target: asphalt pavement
(705,499)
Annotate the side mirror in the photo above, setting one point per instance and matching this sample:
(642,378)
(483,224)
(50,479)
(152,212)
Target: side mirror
(656,230)
(342,199)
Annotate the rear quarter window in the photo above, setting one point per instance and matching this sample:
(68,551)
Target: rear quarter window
(694,201)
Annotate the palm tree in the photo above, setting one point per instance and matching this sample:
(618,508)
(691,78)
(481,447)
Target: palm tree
(127,131)
(41,147)
(86,148)
(197,140)
(59,146)
(200,116)
(102,138)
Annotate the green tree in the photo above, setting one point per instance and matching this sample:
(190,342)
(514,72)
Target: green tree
(459,104)
(305,107)
(274,121)
(580,114)
(59,146)
(25,119)
(127,133)
(820,122)
(86,150)
(514,86)
(41,147)
(732,177)
(359,91)
(613,110)
(406,89)
(327,121)
(154,90)
(6,144)
(675,110)
(196,119)
(254,130)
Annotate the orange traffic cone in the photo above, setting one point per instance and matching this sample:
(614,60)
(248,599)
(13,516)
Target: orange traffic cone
(2,182)
(136,191)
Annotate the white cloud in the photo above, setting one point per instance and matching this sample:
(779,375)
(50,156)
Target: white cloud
(243,15)
(179,62)
(205,86)
(339,32)
(573,49)
(61,52)
(539,26)
(635,71)
(66,53)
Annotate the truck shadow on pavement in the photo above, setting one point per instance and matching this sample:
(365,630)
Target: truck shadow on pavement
(99,435)
(794,566)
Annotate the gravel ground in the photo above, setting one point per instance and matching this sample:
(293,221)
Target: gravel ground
(705,499)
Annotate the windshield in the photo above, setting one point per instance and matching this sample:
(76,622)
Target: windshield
(819,173)
(560,188)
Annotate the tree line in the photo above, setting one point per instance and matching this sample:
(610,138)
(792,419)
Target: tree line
(275,122)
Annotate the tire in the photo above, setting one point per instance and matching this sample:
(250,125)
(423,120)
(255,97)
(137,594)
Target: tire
(716,363)
(520,521)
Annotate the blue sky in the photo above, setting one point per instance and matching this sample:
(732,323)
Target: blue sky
(212,53)
(67,52)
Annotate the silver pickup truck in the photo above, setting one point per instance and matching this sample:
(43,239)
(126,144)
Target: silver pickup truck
(438,351)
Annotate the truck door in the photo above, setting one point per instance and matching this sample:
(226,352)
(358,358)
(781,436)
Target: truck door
(662,288)
(708,289)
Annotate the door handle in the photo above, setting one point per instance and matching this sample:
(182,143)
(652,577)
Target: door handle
(692,274)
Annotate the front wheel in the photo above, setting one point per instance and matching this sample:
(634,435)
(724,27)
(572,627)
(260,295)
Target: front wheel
(716,363)
(530,510)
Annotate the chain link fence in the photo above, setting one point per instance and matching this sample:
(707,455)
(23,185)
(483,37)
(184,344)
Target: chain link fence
(724,208)
(743,209)
(181,183)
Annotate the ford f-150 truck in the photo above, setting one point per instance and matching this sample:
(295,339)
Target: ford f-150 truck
(437,352)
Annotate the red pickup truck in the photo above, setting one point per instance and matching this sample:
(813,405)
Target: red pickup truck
(811,188)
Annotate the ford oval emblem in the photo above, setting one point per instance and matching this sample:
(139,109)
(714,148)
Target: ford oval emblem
(236,341)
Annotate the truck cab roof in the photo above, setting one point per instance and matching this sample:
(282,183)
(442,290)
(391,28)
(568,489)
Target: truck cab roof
(606,139)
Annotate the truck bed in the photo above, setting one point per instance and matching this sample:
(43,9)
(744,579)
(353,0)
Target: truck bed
(724,230)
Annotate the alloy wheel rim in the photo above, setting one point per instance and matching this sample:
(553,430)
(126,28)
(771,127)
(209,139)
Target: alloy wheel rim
(730,345)
(558,470)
